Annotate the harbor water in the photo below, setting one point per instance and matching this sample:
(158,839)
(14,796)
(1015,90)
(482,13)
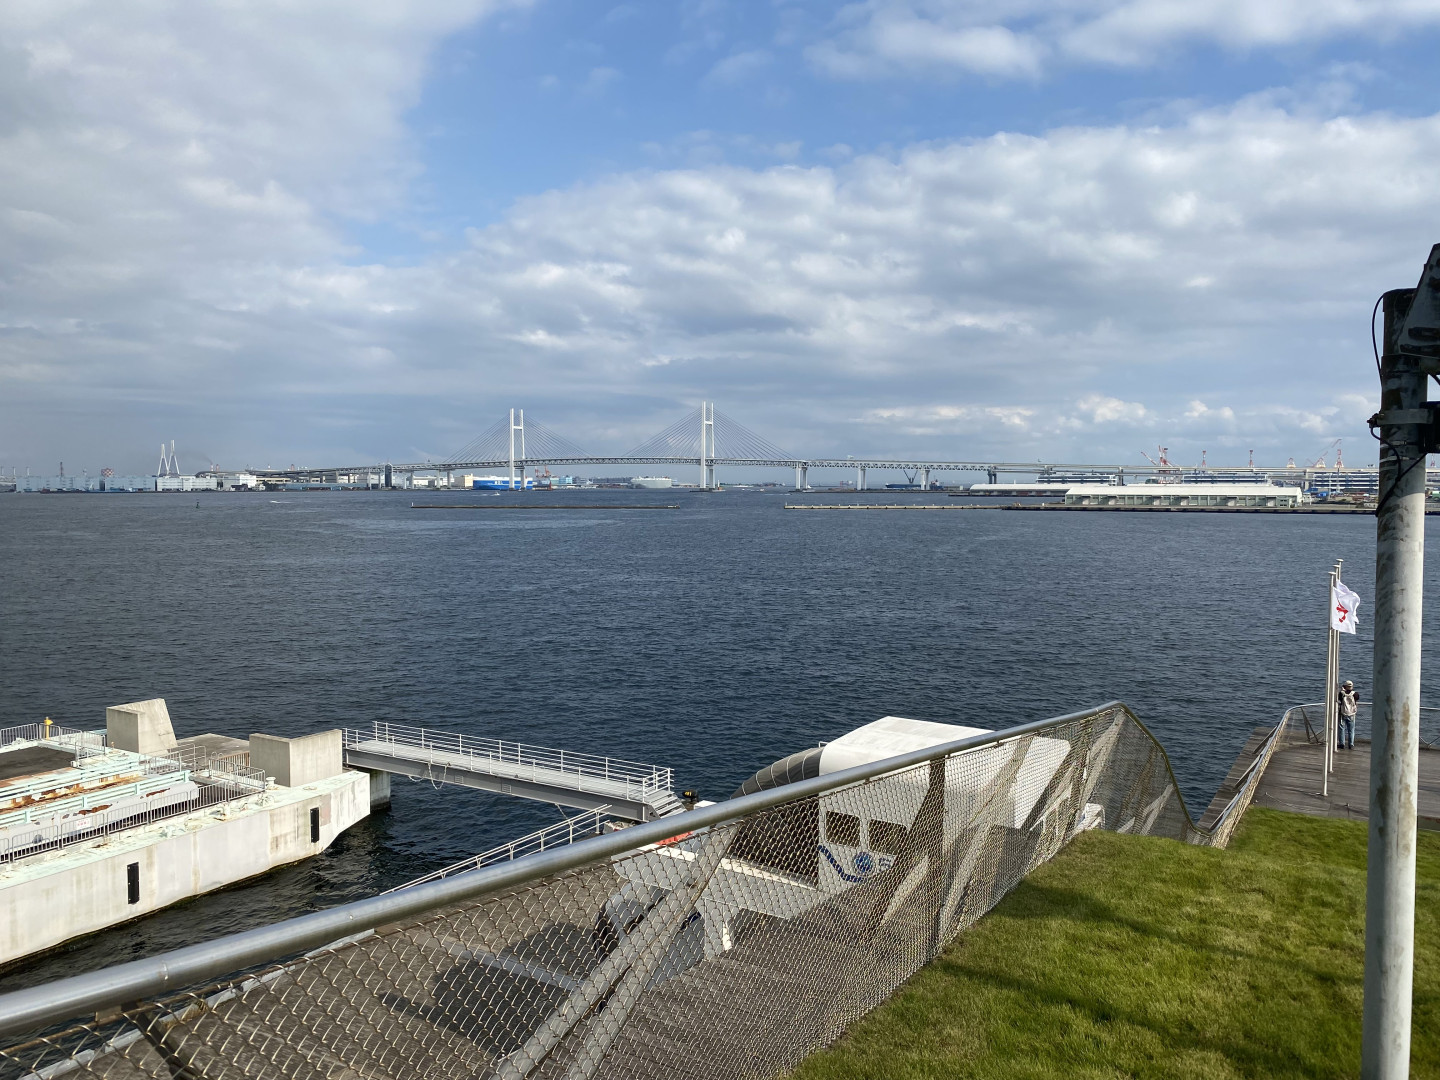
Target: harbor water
(713,638)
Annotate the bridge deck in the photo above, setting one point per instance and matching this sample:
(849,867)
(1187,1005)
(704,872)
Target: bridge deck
(629,789)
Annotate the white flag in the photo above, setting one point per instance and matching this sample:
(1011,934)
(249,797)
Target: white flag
(1343,603)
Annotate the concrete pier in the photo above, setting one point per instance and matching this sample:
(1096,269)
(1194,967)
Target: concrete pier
(52,897)
(99,829)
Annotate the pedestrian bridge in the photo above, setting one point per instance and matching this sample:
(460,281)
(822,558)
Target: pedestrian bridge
(630,789)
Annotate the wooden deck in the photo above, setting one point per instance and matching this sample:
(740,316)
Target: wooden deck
(1292,782)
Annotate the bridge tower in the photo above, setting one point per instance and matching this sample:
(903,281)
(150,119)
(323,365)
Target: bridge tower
(859,477)
(707,445)
(514,427)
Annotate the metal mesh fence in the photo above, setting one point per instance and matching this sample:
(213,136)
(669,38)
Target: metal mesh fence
(733,950)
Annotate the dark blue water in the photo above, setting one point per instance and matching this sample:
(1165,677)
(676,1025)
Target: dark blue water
(713,638)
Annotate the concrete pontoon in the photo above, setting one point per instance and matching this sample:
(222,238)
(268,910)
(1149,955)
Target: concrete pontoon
(97,828)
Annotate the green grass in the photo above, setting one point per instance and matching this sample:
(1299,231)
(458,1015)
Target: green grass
(1132,956)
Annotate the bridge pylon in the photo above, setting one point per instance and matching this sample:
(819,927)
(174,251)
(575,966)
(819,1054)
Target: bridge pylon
(707,445)
(514,430)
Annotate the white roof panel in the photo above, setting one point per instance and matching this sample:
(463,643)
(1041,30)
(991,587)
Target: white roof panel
(886,737)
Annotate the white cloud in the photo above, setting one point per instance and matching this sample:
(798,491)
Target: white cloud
(896,37)
(739,67)
(1126,426)
(1100,409)
(599,80)
(1009,38)
(950,420)
(169,216)
(1198,410)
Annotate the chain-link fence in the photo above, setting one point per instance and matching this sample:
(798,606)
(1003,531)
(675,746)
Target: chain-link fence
(756,935)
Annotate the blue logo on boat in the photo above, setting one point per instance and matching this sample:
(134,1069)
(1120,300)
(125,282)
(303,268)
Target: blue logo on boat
(852,878)
(863,863)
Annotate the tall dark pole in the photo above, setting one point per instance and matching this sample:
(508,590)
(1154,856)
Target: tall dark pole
(1395,746)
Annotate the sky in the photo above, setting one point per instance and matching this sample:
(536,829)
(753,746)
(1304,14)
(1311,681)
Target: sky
(323,232)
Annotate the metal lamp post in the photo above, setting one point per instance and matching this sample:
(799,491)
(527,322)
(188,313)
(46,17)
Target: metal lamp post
(1407,429)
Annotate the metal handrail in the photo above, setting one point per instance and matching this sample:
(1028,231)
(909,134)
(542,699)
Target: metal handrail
(561,833)
(33,839)
(27,1009)
(1426,712)
(218,779)
(641,781)
(84,743)
(1249,780)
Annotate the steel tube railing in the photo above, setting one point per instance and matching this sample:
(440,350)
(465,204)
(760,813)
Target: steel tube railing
(28,840)
(24,1010)
(1429,720)
(588,823)
(486,754)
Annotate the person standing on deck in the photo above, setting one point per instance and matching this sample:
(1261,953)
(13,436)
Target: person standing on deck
(1345,731)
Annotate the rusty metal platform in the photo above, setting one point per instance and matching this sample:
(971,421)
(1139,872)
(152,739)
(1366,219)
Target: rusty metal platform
(33,760)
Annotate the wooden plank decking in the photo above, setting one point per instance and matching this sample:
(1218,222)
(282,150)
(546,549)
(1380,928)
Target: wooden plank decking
(1292,782)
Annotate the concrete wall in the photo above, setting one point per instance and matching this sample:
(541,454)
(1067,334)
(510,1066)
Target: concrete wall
(379,789)
(142,727)
(297,762)
(52,898)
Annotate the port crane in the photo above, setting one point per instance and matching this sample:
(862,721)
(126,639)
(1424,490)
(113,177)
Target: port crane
(1319,462)
(1167,473)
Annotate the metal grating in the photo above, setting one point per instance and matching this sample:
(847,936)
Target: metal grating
(729,951)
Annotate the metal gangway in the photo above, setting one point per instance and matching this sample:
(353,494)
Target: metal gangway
(629,789)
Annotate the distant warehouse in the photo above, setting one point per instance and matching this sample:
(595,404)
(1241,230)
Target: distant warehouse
(1184,495)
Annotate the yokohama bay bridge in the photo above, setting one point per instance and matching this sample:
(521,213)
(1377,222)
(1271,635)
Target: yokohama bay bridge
(707,439)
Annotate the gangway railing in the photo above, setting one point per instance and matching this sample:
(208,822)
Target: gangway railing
(724,942)
(631,780)
(562,833)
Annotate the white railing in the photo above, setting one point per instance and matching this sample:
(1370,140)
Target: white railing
(179,781)
(1247,784)
(84,743)
(566,831)
(513,760)
(25,841)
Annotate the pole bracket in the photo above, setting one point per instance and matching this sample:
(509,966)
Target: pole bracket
(1428,418)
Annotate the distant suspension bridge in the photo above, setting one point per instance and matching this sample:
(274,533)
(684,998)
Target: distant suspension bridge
(707,439)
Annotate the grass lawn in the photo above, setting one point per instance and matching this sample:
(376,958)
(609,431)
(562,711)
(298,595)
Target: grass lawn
(1132,956)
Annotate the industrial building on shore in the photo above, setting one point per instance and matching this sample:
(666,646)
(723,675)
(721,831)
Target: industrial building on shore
(1178,495)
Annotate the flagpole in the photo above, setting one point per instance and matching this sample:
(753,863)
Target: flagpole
(1335,671)
(1329,699)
